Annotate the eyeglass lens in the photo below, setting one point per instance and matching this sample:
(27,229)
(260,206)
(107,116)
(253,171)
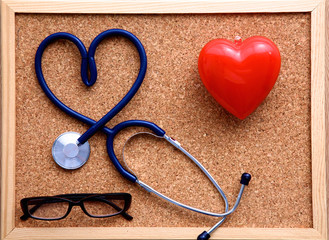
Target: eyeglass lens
(103,206)
(41,208)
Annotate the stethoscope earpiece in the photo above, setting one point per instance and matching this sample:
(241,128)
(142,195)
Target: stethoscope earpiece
(245,179)
(203,236)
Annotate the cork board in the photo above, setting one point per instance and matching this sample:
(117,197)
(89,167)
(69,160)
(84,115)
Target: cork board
(273,144)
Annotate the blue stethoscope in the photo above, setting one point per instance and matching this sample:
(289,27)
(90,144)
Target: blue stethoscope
(71,150)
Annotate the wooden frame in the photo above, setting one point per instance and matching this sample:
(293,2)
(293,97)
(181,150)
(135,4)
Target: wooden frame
(319,113)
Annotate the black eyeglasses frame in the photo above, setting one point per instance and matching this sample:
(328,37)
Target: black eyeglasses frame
(77,200)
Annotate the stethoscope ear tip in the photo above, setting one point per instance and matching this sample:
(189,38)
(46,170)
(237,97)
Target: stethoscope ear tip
(245,179)
(203,236)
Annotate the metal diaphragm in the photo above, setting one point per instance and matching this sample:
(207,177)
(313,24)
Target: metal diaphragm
(67,153)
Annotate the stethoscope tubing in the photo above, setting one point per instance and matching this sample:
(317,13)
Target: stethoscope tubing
(142,71)
(45,87)
(88,61)
(226,213)
(110,140)
(244,181)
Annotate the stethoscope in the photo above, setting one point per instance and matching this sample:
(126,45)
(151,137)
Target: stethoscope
(71,150)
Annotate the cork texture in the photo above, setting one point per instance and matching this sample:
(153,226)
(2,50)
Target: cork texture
(273,143)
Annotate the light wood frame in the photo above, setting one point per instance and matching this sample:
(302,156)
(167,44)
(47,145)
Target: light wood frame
(319,10)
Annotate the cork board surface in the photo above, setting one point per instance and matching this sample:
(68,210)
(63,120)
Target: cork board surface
(273,143)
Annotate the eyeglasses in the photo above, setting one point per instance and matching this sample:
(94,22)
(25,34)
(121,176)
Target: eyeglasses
(59,206)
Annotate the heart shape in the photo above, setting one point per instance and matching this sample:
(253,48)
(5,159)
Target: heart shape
(88,64)
(239,74)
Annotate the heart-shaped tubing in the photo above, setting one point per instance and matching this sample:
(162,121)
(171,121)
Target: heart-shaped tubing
(88,62)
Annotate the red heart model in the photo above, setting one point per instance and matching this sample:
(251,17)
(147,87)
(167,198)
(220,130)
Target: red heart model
(239,75)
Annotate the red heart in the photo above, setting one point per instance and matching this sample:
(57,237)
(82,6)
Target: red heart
(239,75)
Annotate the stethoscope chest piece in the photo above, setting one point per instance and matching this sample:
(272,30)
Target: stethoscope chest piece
(67,153)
